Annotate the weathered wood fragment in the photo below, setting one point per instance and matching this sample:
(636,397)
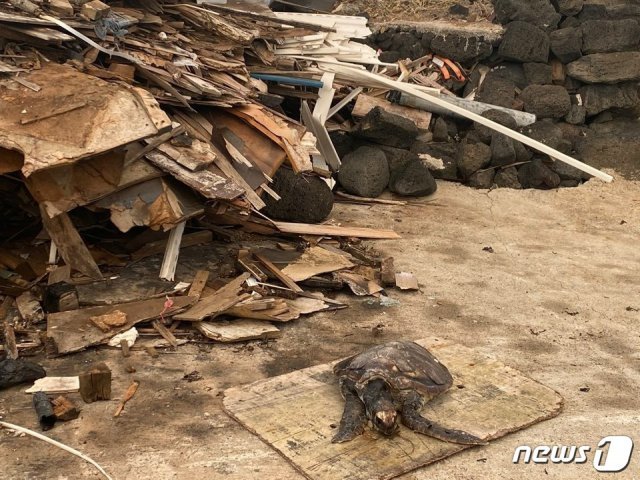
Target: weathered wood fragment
(95,383)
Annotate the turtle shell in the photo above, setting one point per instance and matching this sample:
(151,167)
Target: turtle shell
(403,365)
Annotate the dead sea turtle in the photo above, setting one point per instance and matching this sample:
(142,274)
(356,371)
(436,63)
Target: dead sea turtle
(390,383)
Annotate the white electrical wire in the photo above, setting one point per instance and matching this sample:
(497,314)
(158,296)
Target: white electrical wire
(44,438)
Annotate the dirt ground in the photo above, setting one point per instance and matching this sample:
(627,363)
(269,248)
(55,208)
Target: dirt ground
(558,299)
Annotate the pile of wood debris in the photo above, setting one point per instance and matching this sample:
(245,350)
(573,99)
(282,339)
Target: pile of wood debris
(124,119)
(156,117)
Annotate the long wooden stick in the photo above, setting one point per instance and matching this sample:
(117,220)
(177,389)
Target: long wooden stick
(354,73)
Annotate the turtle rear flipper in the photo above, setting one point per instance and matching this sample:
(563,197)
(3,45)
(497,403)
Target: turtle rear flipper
(412,419)
(354,417)
(420,424)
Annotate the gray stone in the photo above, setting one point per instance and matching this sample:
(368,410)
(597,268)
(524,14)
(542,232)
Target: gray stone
(522,153)
(461,48)
(303,199)
(413,179)
(536,174)
(546,101)
(402,39)
(598,98)
(396,157)
(498,91)
(568,7)
(447,152)
(545,131)
(592,11)
(606,67)
(537,12)
(524,42)
(440,130)
(577,115)
(604,36)
(614,144)
(503,151)
(380,126)
(569,183)
(364,172)
(511,71)
(603,117)
(473,157)
(390,56)
(566,44)
(507,178)
(343,143)
(498,116)
(569,22)
(567,172)
(482,179)
(538,73)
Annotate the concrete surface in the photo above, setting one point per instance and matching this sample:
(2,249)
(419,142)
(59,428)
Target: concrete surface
(558,299)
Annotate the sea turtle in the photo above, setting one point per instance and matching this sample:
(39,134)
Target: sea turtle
(392,382)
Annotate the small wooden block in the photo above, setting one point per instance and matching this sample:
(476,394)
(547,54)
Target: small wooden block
(64,409)
(125,348)
(60,297)
(388,272)
(95,383)
(61,7)
(95,10)
(406,281)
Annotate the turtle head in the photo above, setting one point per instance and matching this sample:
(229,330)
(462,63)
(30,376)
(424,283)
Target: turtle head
(380,407)
(385,420)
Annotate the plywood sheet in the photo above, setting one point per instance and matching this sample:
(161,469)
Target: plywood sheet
(314,261)
(294,414)
(73,116)
(72,331)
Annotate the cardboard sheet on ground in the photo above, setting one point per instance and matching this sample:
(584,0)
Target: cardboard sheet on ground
(294,414)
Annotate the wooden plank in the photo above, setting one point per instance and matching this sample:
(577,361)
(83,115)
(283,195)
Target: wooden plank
(165,332)
(55,385)
(296,414)
(70,245)
(72,331)
(170,260)
(335,231)
(280,275)
(10,339)
(197,157)
(238,330)
(325,145)
(198,284)
(314,261)
(221,300)
(365,103)
(207,183)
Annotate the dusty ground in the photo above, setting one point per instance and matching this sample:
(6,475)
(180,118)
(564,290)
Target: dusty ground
(558,299)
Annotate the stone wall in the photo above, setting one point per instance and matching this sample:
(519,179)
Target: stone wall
(575,64)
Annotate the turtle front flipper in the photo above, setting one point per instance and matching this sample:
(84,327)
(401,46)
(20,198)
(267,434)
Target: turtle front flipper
(354,417)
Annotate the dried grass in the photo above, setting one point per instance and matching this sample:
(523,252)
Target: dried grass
(394,11)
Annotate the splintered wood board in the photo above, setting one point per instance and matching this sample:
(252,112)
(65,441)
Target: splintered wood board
(294,414)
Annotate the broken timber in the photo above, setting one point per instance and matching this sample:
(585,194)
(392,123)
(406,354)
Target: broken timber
(223,299)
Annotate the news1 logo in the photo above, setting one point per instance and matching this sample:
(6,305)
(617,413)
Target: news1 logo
(612,454)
